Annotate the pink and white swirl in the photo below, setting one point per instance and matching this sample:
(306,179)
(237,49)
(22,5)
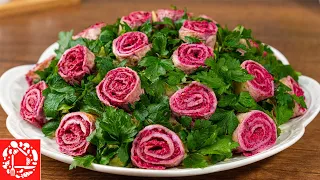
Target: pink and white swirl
(157,147)
(120,86)
(91,33)
(75,63)
(195,100)
(188,57)
(131,46)
(31,106)
(203,30)
(72,132)
(32,76)
(262,86)
(255,133)
(136,18)
(298,91)
(160,14)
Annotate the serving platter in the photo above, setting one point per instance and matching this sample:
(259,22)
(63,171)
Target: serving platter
(13,86)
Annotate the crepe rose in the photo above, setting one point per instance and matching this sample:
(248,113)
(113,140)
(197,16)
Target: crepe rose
(298,91)
(253,44)
(188,57)
(160,14)
(136,18)
(157,147)
(255,133)
(72,132)
(91,33)
(262,86)
(32,76)
(131,46)
(203,30)
(121,86)
(31,106)
(195,100)
(75,63)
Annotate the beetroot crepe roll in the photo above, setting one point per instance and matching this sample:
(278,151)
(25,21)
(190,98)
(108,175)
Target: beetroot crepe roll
(253,44)
(32,76)
(31,107)
(131,46)
(136,18)
(255,133)
(297,90)
(262,86)
(160,14)
(120,87)
(203,30)
(157,147)
(91,33)
(188,57)
(195,100)
(72,132)
(75,63)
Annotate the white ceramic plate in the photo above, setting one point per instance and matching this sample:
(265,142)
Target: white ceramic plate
(13,86)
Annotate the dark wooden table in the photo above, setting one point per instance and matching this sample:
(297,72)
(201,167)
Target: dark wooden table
(293,27)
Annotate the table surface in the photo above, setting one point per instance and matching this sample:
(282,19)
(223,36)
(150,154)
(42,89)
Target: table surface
(293,27)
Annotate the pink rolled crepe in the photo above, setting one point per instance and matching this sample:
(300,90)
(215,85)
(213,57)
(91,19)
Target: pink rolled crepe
(121,86)
(92,32)
(262,86)
(298,91)
(136,18)
(31,76)
(157,147)
(255,133)
(203,30)
(188,57)
(131,46)
(160,14)
(72,132)
(195,100)
(75,63)
(31,106)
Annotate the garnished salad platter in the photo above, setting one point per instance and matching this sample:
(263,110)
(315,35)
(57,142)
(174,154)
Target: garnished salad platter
(164,93)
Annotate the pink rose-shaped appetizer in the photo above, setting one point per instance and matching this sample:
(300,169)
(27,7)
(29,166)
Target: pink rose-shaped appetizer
(262,86)
(75,63)
(32,102)
(136,19)
(203,30)
(188,57)
(252,44)
(157,147)
(160,14)
(72,132)
(31,76)
(255,133)
(195,100)
(120,86)
(297,90)
(131,46)
(92,32)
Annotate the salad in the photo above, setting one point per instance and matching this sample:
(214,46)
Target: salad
(161,89)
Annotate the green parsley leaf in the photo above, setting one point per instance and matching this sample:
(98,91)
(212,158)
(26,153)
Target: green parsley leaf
(225,120)
(223,146)
(84,161)
(192,40)
(50,128)
(195,160)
